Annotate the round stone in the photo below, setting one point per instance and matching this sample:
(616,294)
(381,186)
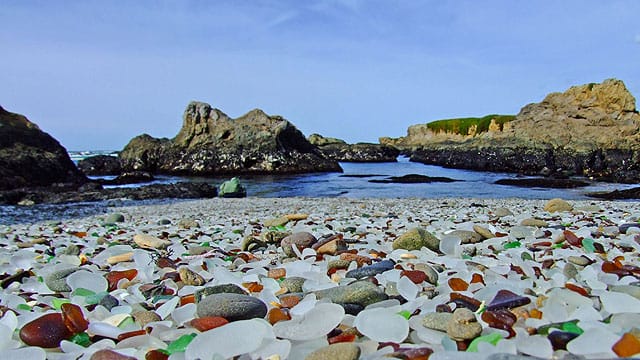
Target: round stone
(46,331)
(467,237)
(484,232)
(114,218)
(231,307)
(360,292)
(557,205)
(218,289)
(437,321)
(293,284)
(145,317)
(371,270)
(188,277)
(534,222)
(301,240)
(108,302)
(416,239)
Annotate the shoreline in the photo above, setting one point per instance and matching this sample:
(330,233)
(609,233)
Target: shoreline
(530,253)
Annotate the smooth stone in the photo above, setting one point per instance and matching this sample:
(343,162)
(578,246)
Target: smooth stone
(109,302)
(124,257)
(218,289)
(274,236)
(188,224)
(275,222)
(71,249)
(164,222)
(579,260)
(625,227)
(114,218)
(467,237)
(502,212)
(188,277)
(416,239)
(570,271)
(339,351)
(557,205)
(293,284)
(432,274)
(250,243)
(437,321)
(484,232)
(232,307)
(150,242)
(534,222)
(144,317)
(302,240)
(338,264)
(358,292)
(463,325)
(371,270)
(57,280)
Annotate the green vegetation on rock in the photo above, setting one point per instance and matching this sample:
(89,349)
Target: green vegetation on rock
(462,125)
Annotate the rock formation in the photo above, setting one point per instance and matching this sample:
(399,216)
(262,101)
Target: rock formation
(211,143)
(588,130)
(30,157)
(100,165)
(339,150)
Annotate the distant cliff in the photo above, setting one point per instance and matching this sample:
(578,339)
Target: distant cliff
(591,130)
(339,150)
(211,143)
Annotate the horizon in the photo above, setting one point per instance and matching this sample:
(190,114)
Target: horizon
(96,74)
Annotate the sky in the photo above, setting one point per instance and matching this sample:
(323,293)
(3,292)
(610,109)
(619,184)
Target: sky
(96,73)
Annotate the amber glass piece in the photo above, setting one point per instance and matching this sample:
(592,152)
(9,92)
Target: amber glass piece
(208,322)
(535,313)
(628,345)
(572,238)
(477,278)
(342,338)
(274,315)
(133,333)
(253,286)
(187,299)
(114,277)
(155,354)
(73,318)
(46,331)
(457,284)
(464,301)
(575,288)
(500,319)
(277,273)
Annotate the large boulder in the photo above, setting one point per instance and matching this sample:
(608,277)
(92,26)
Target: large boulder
(589,130)
(340,150)
(30,157)
(100,165)
(211,143)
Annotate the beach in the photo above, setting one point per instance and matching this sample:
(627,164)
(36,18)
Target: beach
(453,278)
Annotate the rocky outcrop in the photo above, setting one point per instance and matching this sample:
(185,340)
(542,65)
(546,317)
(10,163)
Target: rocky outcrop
(100,165)
(339,150)
(211,143)
(589,130)
(30,157)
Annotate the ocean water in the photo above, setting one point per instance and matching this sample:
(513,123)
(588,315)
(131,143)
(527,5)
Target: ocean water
(354,183)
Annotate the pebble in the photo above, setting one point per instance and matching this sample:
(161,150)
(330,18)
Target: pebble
(371,270)
(109,302)
(301,240)
(579,260)
(47,331)
(108,354)
(218,289)
(275,222)
(467,237)
(188,224)
(150,242)
(57,280)
(432,275)
(124,257)
(293,284)
(416,239)
(557,205)
(502,212)
(463,325)
(145,317)
(339,351)
(437,321)
(189,277)
(231,307)
(114,218)
(251,243)
(483,231)
(359,292)
(534,222)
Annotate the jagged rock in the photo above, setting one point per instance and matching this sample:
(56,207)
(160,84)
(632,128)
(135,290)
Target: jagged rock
(30,157)
(100,165)
(339,150)
(412,179)
(211,143)
(589,130)
(134,177)
(544,183)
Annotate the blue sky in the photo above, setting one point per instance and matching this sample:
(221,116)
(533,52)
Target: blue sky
(94,73)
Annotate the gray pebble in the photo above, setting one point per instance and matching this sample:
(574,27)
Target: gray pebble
(579,260)
(71,249)
(437,321)
(534,222)
(113,218)
(467,237)
(164,222)
(108,302)
(200,294)
(371,270)
(57,280)
(293,284)
(570,271)
(301,240)
(339,351)
(232,307)
(145,317)
(359,292)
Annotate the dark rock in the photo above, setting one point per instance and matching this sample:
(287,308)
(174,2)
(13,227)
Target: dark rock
(218,289)
(182,190)
(371,270)
(339,150)
(231,307)
(211,143)
(544,183)
(633,193)
(506,299)
(29,157)
(301,240)
(100,165)
(133,177)
(413,179)
(624,227)
(363,293)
